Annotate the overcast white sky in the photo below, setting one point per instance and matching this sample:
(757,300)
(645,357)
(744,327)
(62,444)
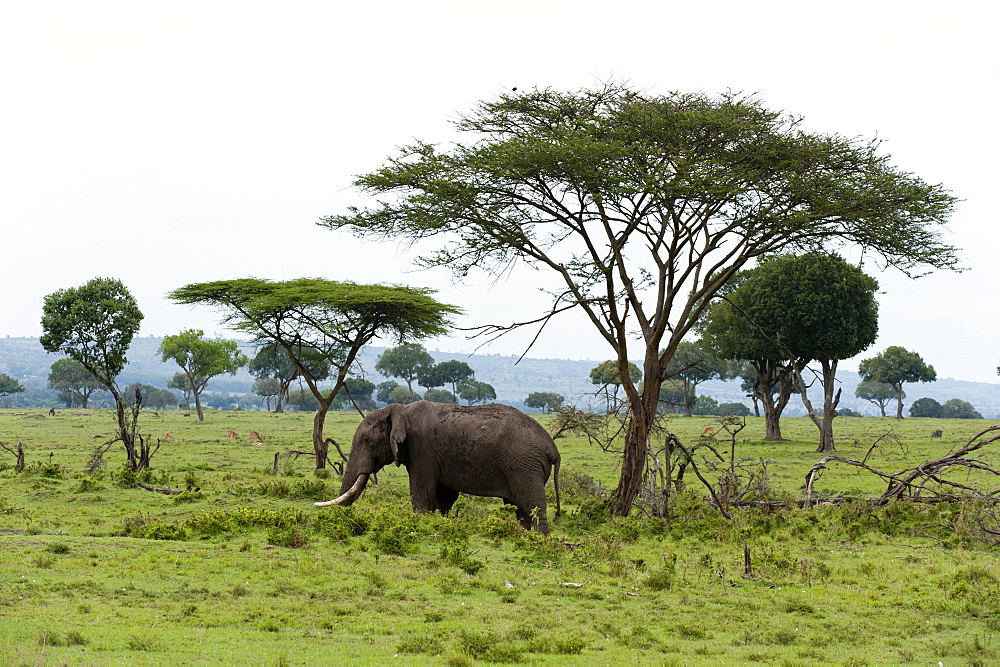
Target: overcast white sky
(164,143)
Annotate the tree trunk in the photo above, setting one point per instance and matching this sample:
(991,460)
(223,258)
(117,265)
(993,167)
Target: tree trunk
(830,402)
(770,373)
(197,406)
(642,413)
(633,466)
(125,432)
(320,447)
(772,423)
(899,400)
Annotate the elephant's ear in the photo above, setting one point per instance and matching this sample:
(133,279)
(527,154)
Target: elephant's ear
(398,424)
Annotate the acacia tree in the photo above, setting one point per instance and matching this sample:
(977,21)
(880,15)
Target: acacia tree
(641,207)
(455,372)
(94,324)
(693,364)
(896,366)
(74,381)
(406,362)
(272,362)
(180,382)
(474,391)
(876,393)
(9,385)
(605,374)
(544,400)
(201,360)
(316,321)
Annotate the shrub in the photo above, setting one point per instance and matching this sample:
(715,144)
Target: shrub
(289,536)
(340,523)
(421,644)
(47,469)
(455,550)
(148,528)
(88,484)
(662,578)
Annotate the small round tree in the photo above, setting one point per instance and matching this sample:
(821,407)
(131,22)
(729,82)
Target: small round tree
(94,324)
(896,366)
(926,407)
(800,308)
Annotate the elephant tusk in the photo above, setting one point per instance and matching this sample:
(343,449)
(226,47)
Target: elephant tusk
(350,496)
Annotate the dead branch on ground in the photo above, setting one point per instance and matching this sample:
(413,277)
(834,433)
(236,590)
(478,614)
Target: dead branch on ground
(926,482)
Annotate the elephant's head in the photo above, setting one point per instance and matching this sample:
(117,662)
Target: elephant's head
(376,443)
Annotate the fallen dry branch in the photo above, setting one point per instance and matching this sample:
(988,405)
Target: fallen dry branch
(925,482)
(167,491)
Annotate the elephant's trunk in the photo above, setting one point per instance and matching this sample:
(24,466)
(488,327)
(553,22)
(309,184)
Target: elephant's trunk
(350,495)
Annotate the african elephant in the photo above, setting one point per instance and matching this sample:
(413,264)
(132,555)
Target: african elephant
(485,450)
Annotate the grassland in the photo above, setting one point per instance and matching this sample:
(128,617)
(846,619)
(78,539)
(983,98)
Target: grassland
(246,570)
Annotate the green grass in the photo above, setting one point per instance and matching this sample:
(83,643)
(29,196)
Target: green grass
(248,570)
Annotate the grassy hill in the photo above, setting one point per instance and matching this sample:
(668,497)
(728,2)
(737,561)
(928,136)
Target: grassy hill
(24,359)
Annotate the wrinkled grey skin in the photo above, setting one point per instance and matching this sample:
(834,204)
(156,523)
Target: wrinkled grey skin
(485,450)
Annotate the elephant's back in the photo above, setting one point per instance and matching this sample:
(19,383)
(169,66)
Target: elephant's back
(490,424)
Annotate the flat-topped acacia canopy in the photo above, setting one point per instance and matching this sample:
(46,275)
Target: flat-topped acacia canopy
(322,320)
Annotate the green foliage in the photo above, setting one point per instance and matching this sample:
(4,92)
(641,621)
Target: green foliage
(201,359)
(955,408)
(877,393)
(474,392)
(896,366)
(402,395)
(734,410)
(453,372)
(146,527)
(406,362)
(153,397)
(9,385)
(705,405)
(819,306)
(662,578)
(93,324)
(421,643)
(396,533)
(607,373)
(692,364)
(291,537)
(49,469)
(456,551)
(926,407)
(360,391)
(544,400)
(439,396)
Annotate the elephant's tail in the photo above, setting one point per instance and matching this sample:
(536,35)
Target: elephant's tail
(555,483)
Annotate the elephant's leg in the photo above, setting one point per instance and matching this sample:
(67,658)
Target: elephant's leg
(536,506)
(445,499)
(524,518)
(423,493)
